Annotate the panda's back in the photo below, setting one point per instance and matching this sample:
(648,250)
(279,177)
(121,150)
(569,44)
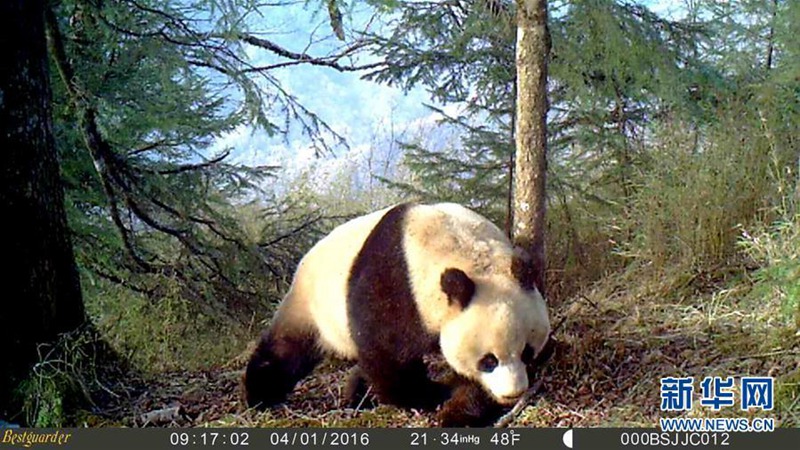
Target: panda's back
(319,288)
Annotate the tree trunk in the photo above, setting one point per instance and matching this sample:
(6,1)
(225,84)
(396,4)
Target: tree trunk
(771,36)
(42,295)
(533,48)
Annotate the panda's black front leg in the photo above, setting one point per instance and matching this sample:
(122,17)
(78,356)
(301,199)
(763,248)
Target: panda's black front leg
(405,385)
(469,406)
(357,391)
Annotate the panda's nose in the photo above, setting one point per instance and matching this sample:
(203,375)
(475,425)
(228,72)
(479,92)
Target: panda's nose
(507,382)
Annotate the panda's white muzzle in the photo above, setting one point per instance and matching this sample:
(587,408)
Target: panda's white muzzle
(507,382)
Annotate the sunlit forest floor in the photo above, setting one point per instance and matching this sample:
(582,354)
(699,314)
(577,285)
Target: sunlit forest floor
(616,339)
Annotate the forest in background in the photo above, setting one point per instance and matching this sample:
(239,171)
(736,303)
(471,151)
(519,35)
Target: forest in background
(673,189)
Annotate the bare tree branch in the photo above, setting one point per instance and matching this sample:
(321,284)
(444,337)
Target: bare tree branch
(302,227)
(297,58)
(191,167)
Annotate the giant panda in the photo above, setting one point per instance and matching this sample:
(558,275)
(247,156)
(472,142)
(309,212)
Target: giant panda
(388,288)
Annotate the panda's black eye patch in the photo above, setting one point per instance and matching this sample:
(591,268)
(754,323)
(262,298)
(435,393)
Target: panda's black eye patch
(487,363)
(527,354)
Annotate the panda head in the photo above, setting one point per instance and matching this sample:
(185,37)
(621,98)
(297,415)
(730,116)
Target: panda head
(498,329)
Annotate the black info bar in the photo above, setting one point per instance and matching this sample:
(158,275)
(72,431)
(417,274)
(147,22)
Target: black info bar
(386,439)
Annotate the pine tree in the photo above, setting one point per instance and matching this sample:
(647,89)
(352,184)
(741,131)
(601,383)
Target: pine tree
(142,89)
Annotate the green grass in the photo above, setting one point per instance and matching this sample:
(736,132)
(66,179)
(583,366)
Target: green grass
(777,248)
(62,379)
(165,334)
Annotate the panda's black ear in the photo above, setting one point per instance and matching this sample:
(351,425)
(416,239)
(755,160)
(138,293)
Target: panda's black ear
(523,269)
(458,287)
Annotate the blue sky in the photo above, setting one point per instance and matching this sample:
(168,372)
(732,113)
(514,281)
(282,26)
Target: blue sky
(356,109)
(360,111)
